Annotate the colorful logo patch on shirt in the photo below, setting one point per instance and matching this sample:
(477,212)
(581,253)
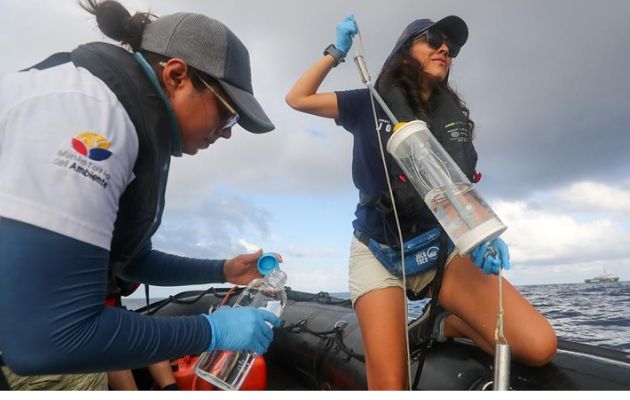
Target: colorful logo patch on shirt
(92,145)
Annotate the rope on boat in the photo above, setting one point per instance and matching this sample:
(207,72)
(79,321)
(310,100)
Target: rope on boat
(321,297)
(332,336)
(183,298)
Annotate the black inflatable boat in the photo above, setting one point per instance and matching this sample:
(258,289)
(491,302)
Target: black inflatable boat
(320,348)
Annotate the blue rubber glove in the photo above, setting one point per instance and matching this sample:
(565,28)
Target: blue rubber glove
(241,328)
(489,256)
(346,30)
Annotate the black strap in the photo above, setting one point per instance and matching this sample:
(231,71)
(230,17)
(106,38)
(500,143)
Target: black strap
(427,329)
(52,61)
(362,237)
(4,384)
(146,296)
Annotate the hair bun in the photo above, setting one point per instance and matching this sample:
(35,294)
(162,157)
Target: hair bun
(112,19)
(116,22)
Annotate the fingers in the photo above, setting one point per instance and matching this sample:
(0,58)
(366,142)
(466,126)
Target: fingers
(491,265)
(350,28)
(490,256)
(263,335)
(503,252)
(264,339)
(279,257)
(267,332)
(351,24)
(262,343)
(251,258)
(242,328)
(270,317)
(479,253)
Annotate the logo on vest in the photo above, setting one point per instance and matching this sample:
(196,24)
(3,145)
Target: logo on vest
(458,131)
(89,150)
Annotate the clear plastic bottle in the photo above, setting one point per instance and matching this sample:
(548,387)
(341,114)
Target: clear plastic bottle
(227,369)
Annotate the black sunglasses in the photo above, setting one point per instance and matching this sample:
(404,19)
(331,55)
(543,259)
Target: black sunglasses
(435,39)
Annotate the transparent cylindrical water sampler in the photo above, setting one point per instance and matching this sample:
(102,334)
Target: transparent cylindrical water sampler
(461,211)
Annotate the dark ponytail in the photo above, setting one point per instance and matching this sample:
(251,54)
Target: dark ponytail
(117,23)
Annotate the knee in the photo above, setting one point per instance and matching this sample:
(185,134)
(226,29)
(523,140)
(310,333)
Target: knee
(541,349)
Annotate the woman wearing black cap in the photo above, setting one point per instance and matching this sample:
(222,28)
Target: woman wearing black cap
(414,83)
(86,139)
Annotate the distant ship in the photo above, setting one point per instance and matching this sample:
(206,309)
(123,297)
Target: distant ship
(603,278)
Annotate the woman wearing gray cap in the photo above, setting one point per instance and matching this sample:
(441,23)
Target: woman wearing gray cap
(85,144)
(414,83)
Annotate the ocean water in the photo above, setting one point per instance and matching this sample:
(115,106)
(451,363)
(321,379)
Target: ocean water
(592,313)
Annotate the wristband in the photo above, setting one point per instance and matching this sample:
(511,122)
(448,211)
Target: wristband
(336,54)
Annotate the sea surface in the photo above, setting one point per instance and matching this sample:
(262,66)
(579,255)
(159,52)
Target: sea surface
(592,313)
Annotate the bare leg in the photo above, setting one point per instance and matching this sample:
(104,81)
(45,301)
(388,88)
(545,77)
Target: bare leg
(382,321)
(473,298)
(121,380)
(162,373)
(455,327)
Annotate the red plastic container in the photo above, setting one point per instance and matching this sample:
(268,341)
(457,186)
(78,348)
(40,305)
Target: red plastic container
(187,379)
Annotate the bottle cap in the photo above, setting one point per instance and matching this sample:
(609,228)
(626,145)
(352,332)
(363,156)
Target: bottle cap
(267,263)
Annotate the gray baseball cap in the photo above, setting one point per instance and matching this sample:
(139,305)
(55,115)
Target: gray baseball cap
(211,47)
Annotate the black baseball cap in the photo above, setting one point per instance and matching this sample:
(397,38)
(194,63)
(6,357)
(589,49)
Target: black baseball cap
(453,27)
(211,47)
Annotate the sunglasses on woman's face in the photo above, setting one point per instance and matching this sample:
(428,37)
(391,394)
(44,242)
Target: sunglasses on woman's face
(435,39)
(232,116)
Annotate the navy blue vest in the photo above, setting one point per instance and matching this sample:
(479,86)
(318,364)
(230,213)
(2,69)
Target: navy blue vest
(451,128)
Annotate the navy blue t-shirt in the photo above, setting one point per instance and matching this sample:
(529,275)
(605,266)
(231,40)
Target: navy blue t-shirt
(450,126)
(368,174)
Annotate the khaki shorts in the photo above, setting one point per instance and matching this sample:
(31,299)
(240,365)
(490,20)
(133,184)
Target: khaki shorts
(366,273)
(96,381)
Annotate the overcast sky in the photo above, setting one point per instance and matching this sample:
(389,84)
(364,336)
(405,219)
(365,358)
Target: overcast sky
(546,82)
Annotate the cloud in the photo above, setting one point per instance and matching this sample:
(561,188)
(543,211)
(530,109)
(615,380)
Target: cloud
(294,162)
(317,279)
(545,81)
(248,246)
(594,196)
(550,238)
(216,230)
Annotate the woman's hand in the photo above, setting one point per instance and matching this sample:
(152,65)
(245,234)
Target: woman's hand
(346,30)
(242,269)
(241,328)
(491,255)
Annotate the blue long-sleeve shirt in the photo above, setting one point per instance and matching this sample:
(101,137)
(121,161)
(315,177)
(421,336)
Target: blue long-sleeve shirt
(52,313)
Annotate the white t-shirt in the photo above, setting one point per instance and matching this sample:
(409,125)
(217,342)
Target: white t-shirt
(67,151)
